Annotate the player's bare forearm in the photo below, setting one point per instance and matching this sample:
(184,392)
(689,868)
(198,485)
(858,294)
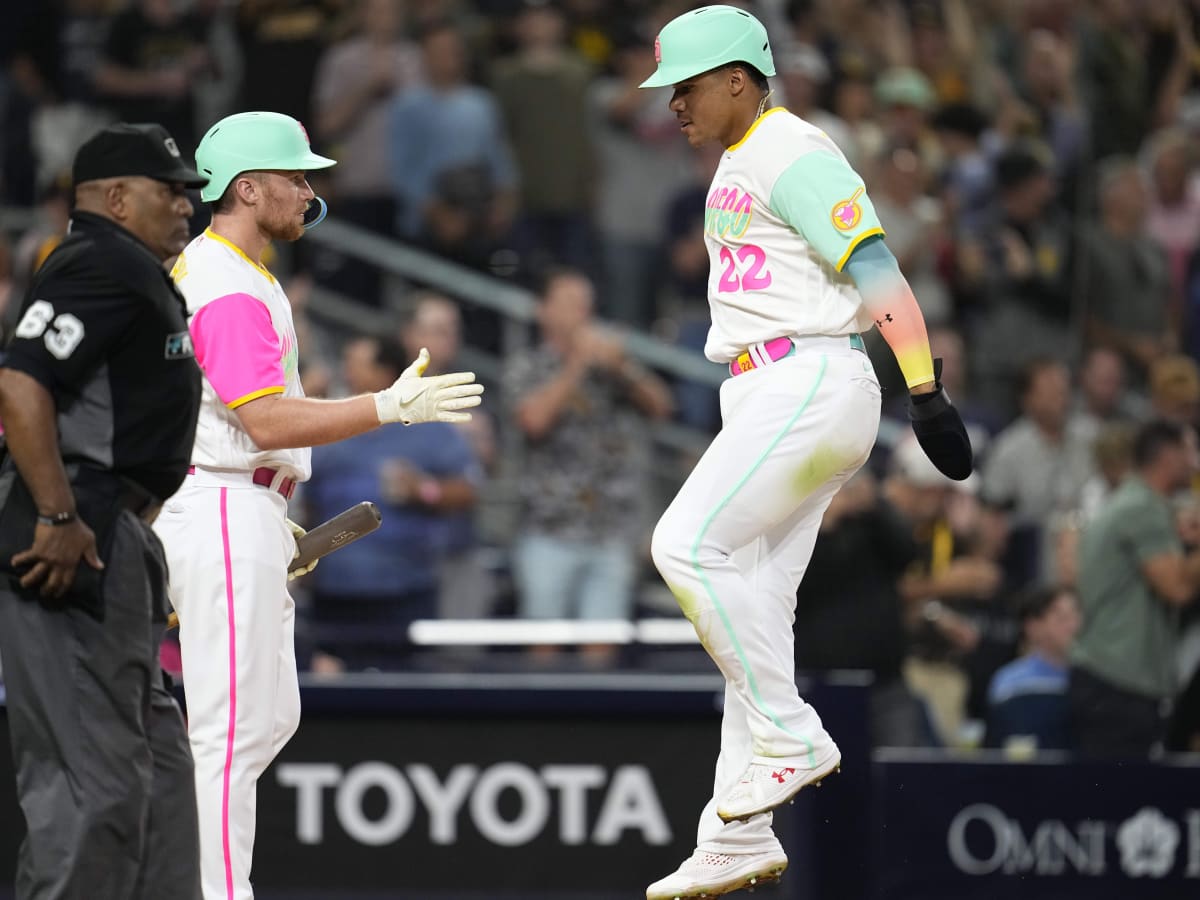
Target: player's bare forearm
(275,422)
(647,391)
(888,298)
(28,413)
(540,408)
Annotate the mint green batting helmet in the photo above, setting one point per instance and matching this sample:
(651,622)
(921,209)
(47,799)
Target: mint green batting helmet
(250,142)
(703,39)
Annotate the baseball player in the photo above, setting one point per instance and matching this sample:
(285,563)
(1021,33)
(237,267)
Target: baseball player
(226,531)
(798,270)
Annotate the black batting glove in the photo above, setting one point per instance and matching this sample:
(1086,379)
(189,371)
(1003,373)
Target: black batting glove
(939,430)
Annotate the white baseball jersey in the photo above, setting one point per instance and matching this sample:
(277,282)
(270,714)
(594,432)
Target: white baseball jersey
(245,343)
(783,215)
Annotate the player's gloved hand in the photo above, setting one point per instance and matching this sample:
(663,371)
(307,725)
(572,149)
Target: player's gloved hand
(439,398)
(297,533)
(939,429)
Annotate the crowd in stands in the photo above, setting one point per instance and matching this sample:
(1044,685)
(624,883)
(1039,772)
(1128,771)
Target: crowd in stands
(1035,166)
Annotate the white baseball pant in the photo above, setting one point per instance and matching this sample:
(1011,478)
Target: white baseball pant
(734,544)
(228,547)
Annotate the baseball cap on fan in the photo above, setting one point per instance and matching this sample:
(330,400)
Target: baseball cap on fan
(140,149)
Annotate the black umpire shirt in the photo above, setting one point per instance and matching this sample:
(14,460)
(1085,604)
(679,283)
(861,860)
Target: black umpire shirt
(105,330)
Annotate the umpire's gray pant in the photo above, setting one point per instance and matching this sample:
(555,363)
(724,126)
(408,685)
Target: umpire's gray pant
(104,773)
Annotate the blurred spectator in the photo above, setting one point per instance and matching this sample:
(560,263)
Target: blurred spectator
(154,53)
(542,92)
(1124,277)
(1134,576)
(1174,218)
(451,165)
(1037,463)
(1047,86)
(643,163)
(1017,267)
(944,47)
(966,177)
(1112,458)
(582,404)
(356,80)
(913,222)
(50,52)
(943,577)
(1102,397)
(465,585)
(1112,70)
(1027,699)
(366,595)
(849,613)
(1169,45)
(53,215)
(803,74)
(985,529)
(854,103)
(906,99)
(1175,389)
(1184,736)
(281,41)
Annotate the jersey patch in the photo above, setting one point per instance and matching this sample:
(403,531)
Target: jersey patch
(179,346)
(847,213)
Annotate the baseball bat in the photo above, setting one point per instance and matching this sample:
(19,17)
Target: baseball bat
(333,534)
(344,528)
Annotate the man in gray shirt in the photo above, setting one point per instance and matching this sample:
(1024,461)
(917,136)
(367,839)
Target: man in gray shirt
(1134,576)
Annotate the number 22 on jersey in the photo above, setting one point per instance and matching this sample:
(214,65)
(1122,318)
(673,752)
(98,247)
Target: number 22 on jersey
(743,270)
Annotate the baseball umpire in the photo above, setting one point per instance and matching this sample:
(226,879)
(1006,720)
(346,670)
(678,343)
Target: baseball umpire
(99,395)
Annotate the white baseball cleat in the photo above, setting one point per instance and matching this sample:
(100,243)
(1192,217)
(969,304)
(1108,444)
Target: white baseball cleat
(707,874)
(770,782)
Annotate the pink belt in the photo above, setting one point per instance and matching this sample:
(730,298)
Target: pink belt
(783,347)
(775,350)
(263,476)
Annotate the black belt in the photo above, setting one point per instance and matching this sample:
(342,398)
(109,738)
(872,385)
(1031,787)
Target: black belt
(138,501)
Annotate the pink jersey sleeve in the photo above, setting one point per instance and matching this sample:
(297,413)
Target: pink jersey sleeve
(238,349)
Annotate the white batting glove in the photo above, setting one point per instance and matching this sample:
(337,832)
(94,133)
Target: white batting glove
(297,533)
(440,398)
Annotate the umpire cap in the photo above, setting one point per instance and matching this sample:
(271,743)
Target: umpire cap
(143,149)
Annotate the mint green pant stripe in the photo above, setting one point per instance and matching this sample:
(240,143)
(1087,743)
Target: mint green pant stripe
(722,613)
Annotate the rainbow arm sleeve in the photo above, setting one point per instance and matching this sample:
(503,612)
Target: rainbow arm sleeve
(890,301)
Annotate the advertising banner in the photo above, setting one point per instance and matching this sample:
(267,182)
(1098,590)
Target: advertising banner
(948,830)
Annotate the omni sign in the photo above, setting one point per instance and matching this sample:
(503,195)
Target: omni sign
(983,840)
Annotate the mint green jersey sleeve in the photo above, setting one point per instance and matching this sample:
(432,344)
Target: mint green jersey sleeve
(821,197)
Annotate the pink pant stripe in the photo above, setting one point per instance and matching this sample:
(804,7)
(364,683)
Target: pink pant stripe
(232,697)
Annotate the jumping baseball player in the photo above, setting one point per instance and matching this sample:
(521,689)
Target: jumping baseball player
(798,270)
(226,531)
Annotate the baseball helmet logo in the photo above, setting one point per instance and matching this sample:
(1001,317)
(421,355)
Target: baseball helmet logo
(658,49)
(847,213)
